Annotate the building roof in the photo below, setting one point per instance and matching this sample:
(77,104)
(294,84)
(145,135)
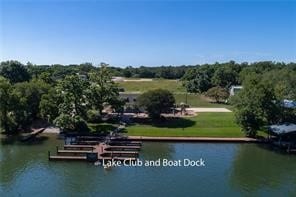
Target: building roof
(289,104)
(236,87)
(283,128)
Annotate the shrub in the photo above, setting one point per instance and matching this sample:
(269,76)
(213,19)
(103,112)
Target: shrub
(93,116)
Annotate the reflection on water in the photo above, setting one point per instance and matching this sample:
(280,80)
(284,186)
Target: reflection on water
(231,169)
(257,169)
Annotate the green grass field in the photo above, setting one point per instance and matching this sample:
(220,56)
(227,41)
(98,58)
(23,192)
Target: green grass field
(194,100)
(203,125)
(142,86)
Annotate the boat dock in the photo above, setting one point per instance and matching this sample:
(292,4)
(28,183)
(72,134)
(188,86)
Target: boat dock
(80,147)
(100,151)
(123,148)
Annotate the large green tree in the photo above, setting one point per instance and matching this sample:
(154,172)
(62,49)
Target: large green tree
(103,91)
(27,97)
(226,75)
(14,71)
(5,104)
(219,94)
(73,104)
(73,91)
(49,105)
(156,102)
(198,80)
(256,105)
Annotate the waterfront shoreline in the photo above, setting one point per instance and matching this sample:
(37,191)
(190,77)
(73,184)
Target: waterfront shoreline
(197,139)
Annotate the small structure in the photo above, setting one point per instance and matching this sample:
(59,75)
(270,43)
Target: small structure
(118,79)
(82,76)
(234,90)
(130,99)
(289,104)
(284,136)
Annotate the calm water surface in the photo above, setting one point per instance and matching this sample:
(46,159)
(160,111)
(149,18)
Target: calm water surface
(231,169)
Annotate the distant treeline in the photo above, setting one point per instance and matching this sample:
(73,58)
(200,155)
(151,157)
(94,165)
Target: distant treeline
(54,92)
(58,71)
(201,78)
(166,72)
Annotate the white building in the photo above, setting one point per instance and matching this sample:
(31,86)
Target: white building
(234,90)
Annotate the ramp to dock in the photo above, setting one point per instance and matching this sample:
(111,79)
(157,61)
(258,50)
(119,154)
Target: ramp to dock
(32,134)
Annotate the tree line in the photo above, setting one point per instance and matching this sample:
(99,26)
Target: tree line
(69,102)
(261,102)
(59,71)
(203,76)
(70,96)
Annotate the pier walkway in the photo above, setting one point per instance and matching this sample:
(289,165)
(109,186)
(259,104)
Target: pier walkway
(101,151)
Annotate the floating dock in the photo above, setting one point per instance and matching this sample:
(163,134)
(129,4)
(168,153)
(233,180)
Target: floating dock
(81,147)
(123,148)
(100,151)
(56,157)
(125,143)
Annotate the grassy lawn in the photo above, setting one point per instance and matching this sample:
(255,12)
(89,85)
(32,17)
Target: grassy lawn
(203,125)
(196,100)
(142,86)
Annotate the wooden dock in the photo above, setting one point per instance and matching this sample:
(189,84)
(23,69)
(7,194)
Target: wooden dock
(85,142)
(123,148)
(125,143)
(78,147)
(119,153)
(118,158)
(59,157)
(74,151)
(96,152)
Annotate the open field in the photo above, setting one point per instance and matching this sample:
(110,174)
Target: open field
(194,100)
(142,86)
(203,125)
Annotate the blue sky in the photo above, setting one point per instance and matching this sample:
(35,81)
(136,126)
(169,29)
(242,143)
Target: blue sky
(149,33)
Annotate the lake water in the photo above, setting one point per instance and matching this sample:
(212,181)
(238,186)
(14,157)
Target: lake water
(230,169)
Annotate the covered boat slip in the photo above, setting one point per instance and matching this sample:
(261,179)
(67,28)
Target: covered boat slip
(284,136)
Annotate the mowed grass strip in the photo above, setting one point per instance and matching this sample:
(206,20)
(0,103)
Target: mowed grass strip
(197,100)
(203,125)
